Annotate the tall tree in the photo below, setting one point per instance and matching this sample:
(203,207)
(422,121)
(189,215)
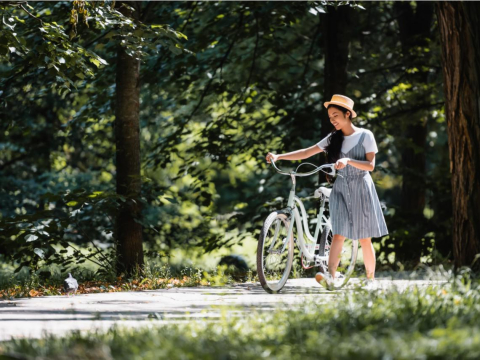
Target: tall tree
(127,140)
(459,24)
(338,29)
(415,24)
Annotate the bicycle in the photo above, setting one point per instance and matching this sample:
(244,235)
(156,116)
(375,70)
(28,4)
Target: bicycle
(275,251)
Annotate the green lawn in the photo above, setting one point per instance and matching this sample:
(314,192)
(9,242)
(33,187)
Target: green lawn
(437,322)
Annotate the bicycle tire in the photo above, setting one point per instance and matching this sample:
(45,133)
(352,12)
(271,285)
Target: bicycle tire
(270,286)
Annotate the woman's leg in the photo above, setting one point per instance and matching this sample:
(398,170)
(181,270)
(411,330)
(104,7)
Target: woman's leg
(335,252)
(368,257)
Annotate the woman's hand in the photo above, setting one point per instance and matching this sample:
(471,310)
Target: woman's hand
(341,163)
(271,156)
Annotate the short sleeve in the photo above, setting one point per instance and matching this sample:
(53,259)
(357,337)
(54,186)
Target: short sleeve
(369,143)
(322,144)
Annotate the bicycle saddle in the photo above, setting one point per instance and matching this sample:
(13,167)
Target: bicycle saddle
(322,190)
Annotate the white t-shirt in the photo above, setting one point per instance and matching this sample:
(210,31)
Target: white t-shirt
(351,140)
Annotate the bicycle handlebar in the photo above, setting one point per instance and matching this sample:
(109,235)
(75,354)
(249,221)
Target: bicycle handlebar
(319,168)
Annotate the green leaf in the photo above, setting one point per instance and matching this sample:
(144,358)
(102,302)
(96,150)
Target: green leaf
(19,20)
(95,61)
(39,252)
(31,237)
(171,200)
(102,61)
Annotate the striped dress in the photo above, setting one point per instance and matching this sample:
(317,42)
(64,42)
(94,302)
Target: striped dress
(355,210)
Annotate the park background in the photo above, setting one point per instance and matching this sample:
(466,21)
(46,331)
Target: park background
(136,133)
(132,153)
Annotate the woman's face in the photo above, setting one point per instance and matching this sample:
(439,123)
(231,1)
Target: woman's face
(337,118)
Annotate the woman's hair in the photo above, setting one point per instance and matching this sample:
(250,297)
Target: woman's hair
(335,141)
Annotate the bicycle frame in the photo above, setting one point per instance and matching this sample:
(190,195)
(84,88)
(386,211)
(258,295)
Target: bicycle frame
(293,212)
(321,220)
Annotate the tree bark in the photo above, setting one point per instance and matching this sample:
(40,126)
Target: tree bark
(459,29)
(127,140)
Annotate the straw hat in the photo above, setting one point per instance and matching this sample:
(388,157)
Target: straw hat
(342,101)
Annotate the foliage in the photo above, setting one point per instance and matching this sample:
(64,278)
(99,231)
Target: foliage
(53,235)
(37,42)
(434,321)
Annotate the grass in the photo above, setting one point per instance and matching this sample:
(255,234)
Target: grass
(152,277)
(434,322)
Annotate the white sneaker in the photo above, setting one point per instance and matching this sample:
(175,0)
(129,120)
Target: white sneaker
(324,279)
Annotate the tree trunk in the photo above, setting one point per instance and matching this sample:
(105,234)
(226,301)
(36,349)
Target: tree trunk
(338,28)
(127,140)
(415,29)
(459,29)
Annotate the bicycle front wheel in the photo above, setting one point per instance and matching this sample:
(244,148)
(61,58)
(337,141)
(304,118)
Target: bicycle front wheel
(348,258)
(275,252)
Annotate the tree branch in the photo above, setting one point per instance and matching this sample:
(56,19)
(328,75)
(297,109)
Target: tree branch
(252,67)
(312,45)
(97,38)
(165,53)
(254,54)
(189,16)
(146,12)
(224,58)
(411,110)
(29,13)
(14,160)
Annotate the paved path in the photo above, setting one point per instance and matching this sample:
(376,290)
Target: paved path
(59,314)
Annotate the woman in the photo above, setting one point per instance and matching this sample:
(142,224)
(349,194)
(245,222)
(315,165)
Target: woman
(355,210)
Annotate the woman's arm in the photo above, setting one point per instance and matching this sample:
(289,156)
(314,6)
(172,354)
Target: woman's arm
(368,165)
(296,155)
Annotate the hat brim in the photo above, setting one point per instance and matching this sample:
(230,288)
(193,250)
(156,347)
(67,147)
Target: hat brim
(354,114)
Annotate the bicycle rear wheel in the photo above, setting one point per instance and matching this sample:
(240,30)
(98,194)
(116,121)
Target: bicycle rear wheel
(274,252)
(348,258)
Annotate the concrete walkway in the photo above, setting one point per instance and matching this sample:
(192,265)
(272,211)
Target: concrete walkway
(59,314)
